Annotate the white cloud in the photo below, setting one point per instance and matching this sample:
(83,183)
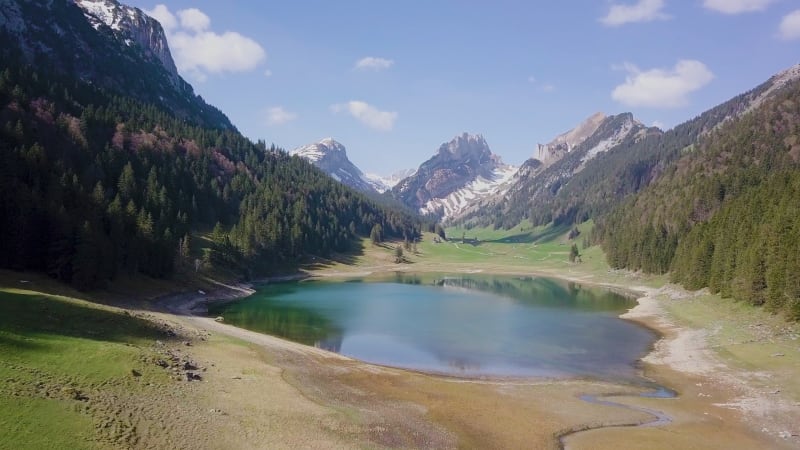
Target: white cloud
(641,11)
(789,28)
(660,88)
(659,124)
(736,6)
(276,115)
(198,51)
(367,114)
(193,19)
(267,73)
(161,13)
(532,80)
(373,63)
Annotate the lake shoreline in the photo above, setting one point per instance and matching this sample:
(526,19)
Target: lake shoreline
(678,359)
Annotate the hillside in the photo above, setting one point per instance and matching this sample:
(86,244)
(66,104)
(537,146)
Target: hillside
(99,179)
(725,214)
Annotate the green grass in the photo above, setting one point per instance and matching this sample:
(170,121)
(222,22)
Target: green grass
(746,336)
(517,249)
(60,355)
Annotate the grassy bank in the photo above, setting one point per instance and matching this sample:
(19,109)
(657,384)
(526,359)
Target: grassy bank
(62,362)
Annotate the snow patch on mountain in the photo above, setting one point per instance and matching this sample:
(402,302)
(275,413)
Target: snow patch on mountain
(104,11)
(383,184)
(564,143)
(778,81)
(132,26)
(482,187)
(317,151)
(612,141)
(331,157)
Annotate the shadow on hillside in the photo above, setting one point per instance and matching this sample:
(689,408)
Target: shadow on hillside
(314,262)
(533,236)
(37,315)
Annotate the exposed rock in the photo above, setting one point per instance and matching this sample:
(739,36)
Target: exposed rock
(191,376)
(462,171)
(331,157)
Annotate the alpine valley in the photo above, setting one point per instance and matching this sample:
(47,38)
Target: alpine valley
(135,218)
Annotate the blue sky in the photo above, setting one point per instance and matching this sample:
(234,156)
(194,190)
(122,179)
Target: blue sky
(394,80)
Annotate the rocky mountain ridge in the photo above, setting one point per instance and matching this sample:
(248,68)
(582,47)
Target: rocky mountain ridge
(563,143)
(331,157)
(133,26)
(462,171)
(97,41)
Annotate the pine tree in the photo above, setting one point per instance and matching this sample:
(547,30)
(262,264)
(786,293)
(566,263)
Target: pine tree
(376,235)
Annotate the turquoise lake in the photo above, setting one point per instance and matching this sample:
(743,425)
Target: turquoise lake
(475,325)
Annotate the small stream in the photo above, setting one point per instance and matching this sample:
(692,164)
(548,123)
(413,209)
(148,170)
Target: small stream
(659,417)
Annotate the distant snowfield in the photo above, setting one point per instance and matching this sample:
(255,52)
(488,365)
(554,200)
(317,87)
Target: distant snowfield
(455,203)
(383,184)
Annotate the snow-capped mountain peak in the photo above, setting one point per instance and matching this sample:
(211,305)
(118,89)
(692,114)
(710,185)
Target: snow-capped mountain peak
(331,156)
(320,150)
(102,11)
(131,25)
(461,172)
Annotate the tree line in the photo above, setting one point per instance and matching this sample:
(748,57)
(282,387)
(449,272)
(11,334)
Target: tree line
(93,184)
(726,215)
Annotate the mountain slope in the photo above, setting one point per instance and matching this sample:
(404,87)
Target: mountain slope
(110,45)
(534,190)
(331,157)
(96,181)
(463,170)
(564,143)
(383,183)
(725,214)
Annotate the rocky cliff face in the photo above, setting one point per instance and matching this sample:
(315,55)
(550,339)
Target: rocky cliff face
(331,157)
(540,178)
(564,143)
(98,41)
(133,26)
(462,170)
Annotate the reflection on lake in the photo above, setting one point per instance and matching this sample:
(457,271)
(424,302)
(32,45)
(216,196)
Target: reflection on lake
(465,325)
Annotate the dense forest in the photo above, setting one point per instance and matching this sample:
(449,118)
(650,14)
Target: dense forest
(94,183)
(726,215)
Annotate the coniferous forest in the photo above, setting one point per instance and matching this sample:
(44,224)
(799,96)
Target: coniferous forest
(726,215)
(94,184)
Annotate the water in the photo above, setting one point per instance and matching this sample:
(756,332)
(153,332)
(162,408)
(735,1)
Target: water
(460,325)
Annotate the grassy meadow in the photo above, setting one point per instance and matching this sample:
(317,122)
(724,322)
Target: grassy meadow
(66,365)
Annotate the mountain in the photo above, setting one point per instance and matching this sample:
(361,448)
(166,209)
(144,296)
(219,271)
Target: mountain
(383,184)
(331,157)
(132,25)
(461,172)
(579,187)
(108,167)
(562,144)
(533,189)
(724,211)
(108,44)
